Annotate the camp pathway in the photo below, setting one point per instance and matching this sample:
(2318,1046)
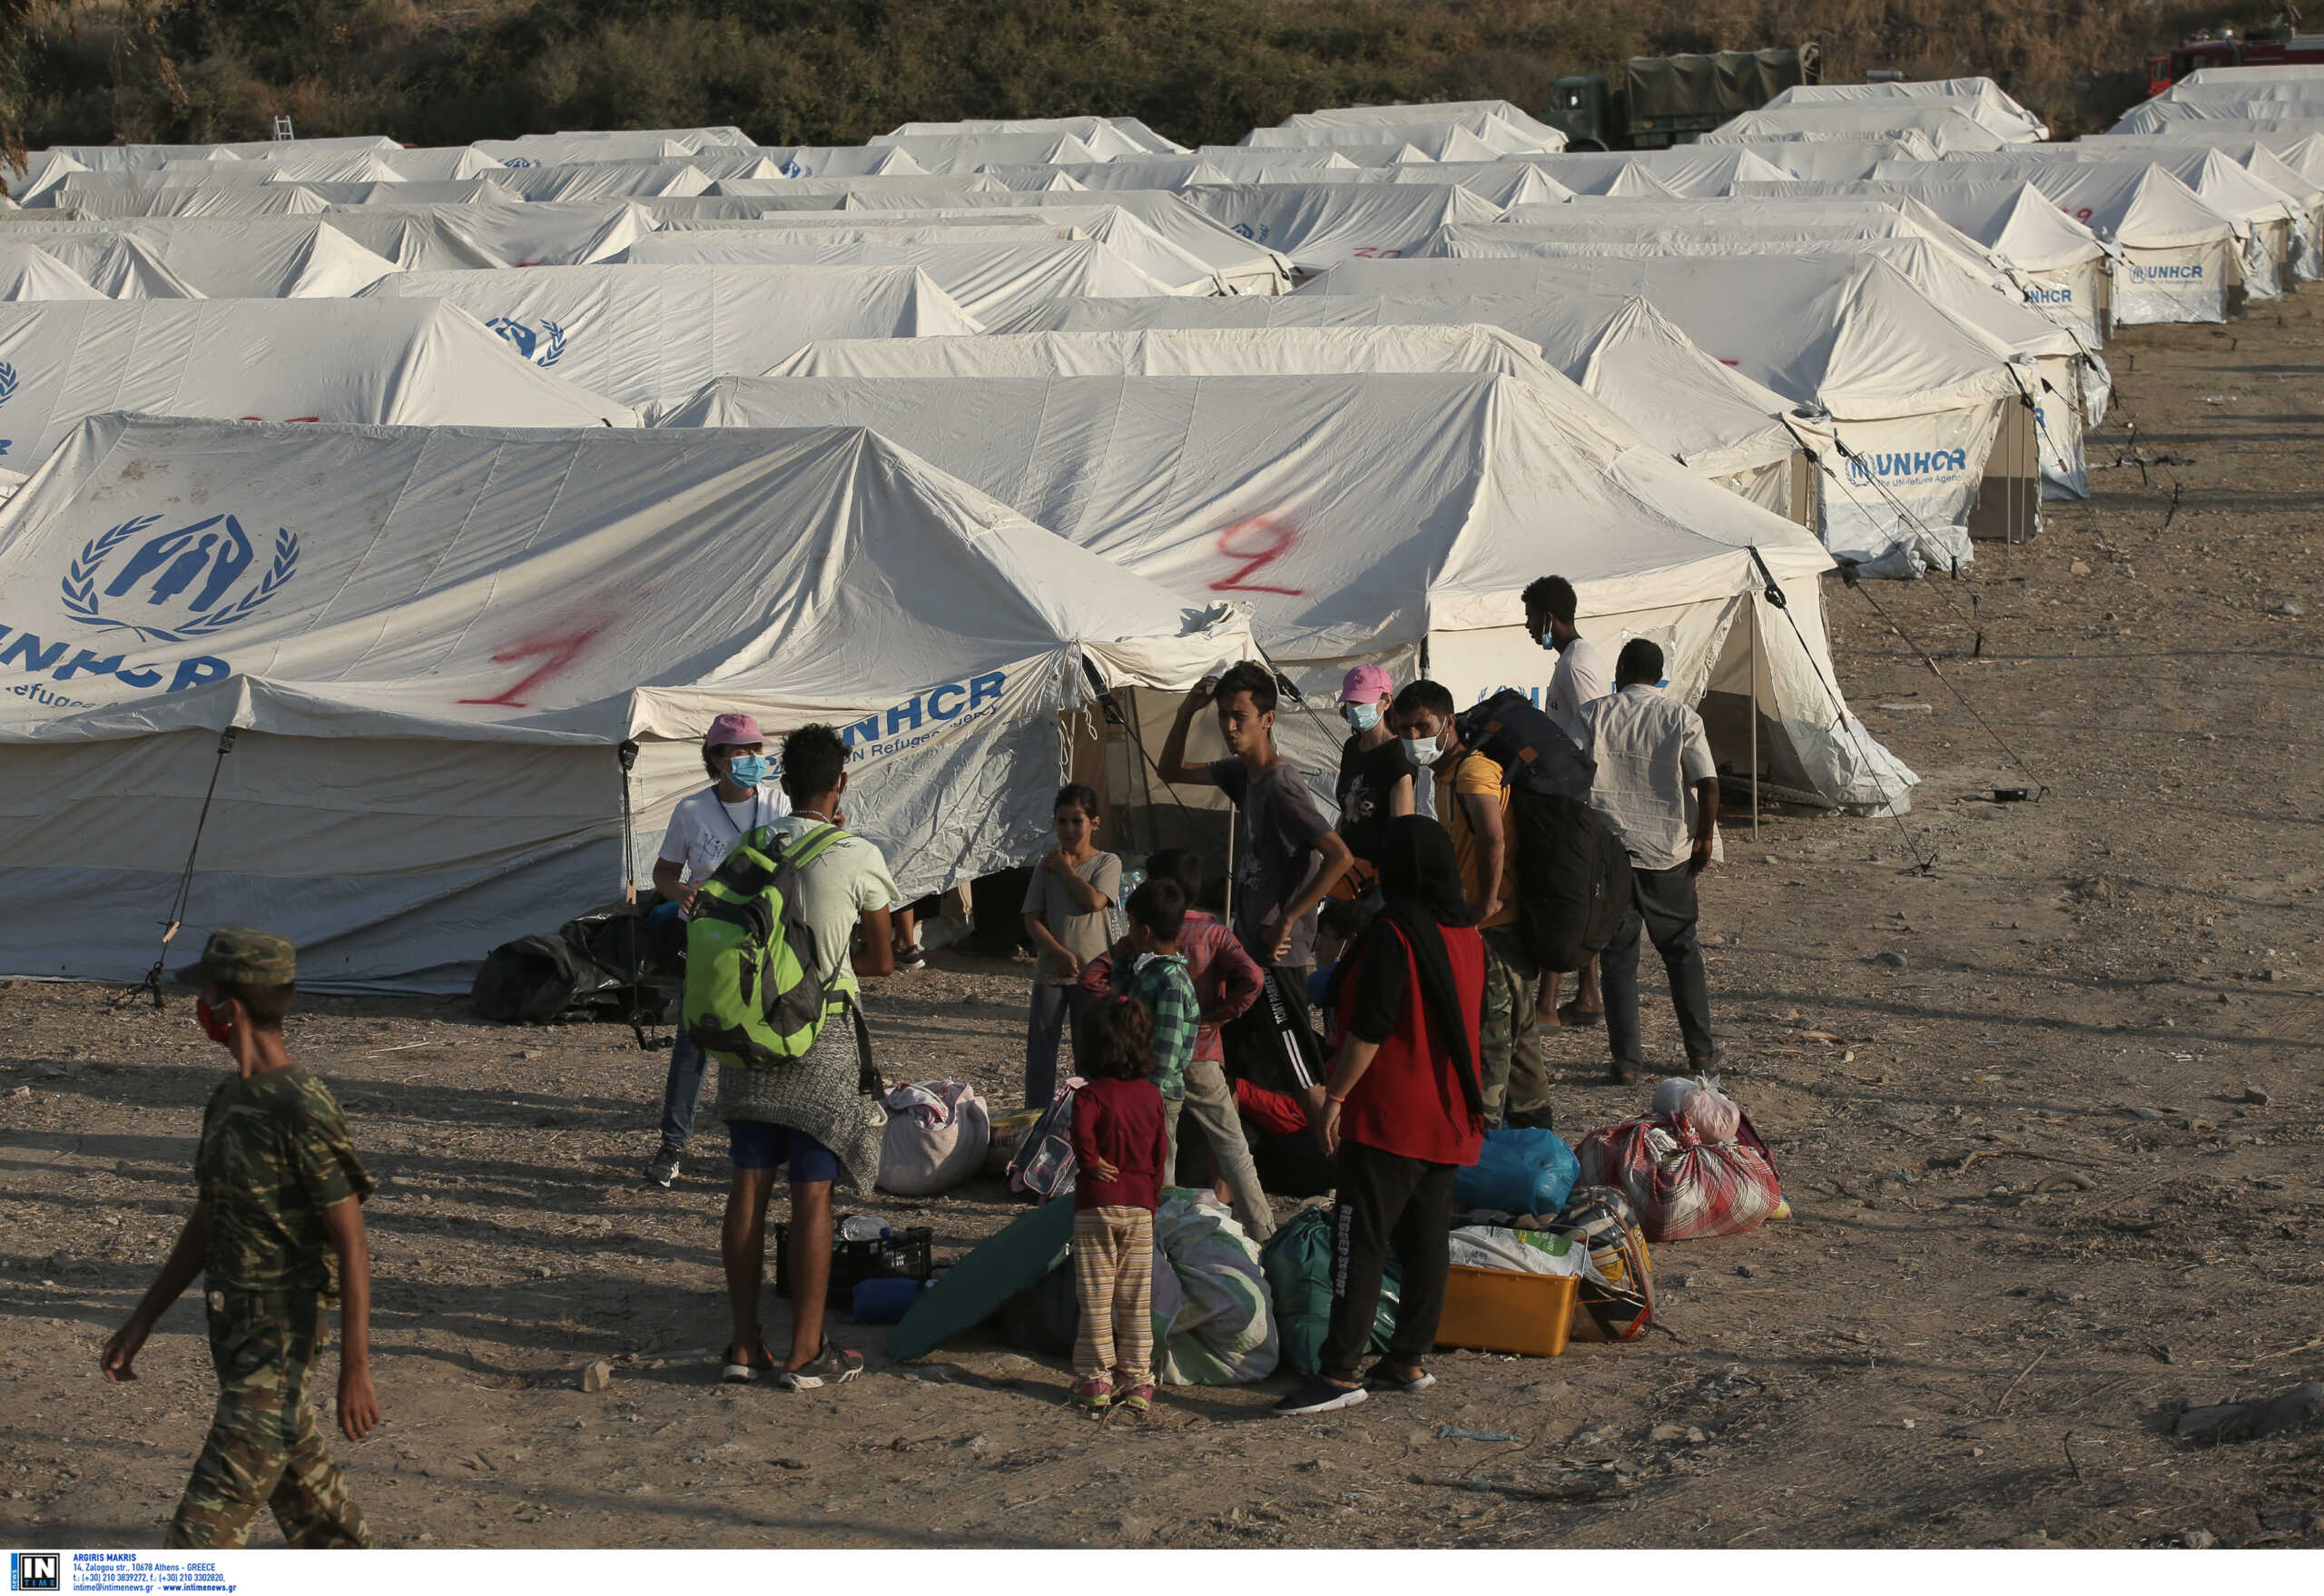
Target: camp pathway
(2053,1161)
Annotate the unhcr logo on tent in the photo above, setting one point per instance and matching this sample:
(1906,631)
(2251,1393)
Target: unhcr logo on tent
(542,346)
(2187,273)
(925,714)
(176,585)
(2049,293)
(1904,467)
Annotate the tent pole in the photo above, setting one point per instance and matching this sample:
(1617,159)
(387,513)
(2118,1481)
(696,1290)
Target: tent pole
(1755,718)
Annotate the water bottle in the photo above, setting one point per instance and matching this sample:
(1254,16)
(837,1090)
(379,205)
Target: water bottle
(863,1227)
(1117,917)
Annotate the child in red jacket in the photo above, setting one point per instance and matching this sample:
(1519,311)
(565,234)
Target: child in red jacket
(1119,1141)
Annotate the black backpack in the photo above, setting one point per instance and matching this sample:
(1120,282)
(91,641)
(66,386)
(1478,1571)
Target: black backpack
(1573,878)
(1534,751)
(610,963)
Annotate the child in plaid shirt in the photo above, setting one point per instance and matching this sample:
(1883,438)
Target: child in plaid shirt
(1155,977)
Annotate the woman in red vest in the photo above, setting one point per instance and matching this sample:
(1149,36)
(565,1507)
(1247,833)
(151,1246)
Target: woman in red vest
(1402,1111)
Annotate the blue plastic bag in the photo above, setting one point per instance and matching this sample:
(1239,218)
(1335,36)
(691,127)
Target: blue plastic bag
(1519,1172)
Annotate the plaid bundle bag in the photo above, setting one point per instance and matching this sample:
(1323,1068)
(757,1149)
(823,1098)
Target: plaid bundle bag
(1682,1186)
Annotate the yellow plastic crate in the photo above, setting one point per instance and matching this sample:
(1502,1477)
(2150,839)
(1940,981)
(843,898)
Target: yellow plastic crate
(1507,1310)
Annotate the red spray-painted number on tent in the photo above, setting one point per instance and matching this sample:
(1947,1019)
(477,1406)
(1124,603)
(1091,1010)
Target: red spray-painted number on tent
(555,650)
(1255,544)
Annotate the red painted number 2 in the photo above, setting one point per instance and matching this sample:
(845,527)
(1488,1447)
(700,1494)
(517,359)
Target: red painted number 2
(554,653)
(1254,544)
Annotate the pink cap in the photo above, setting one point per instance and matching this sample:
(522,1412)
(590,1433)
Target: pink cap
(731,731)
(1366,684)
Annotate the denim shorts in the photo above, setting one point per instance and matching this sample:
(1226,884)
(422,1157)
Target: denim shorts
(756,1145)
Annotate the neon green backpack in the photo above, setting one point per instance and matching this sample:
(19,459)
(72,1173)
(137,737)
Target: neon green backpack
(756,995)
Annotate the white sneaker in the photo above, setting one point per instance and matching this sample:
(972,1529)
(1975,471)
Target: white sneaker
(662,1171)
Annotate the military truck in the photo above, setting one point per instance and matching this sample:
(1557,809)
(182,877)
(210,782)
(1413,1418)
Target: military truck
(1669,100)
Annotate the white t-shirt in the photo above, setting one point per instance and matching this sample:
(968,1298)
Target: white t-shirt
(1580,678)
(704,827)
(844,880)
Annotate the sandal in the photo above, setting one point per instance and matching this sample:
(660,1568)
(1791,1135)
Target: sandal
(1137,1399)
(741,1374)
(1095,1395)
(835,1365)
(1573,1013)
(1382,1376)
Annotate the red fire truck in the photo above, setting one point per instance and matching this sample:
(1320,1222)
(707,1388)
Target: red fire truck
(2269,47)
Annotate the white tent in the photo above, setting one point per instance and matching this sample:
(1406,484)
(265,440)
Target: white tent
(1836,159)
(442,165)
(1242,266)
(1484,116)
(416,242)
(247,257)
(116,264)
(797,161)
(1109,136)
(2261,116)
(629,144)
(1386,517)
(2224,86)
(2181,257)
(2281,226)
(30,272)
(301,166)
(1497,182)
(1952,132)
(942,153)
(431,643)
(394,362)
(2061,262)
(2294,171)
(1115,226)
(1377,145)
(610,180)
(986,280)
(1319,226)
(467,190)
(578,232)
(1689,169)
(1915,396)
(1979,97)
(1274,351)
(801,189)
(273,199)
(649,335)
(1176,173)
(1621,352)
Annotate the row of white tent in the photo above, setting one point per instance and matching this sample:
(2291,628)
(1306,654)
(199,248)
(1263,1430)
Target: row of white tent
(936,455)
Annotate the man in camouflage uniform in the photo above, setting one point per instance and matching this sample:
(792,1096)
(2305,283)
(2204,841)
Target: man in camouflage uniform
(279,1233)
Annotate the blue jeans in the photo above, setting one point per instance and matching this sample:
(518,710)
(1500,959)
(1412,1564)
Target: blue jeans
(682,1092)
(1053,1009)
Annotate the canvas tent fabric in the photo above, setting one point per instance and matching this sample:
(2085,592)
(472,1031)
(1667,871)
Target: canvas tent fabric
(1115,226)
(1275,351)
(249,257)
(116,265)
(1367,517)
(1497,182)
(1109,136)
(1914,395)
(2159,115)
(29,272)
(447,163)
(2181,257)
(1477,114)
(797,161)
(1952,132)
(563,233)
(275,199)
(412,364)
(606,181)
(2280,227)
(1979,97)
(473,191)
(1178,173)
(2062,264)
(944,152)
(986,280)
(1690,169)
(1242,267)
(895,182)
(431,619)
(1381,145)
(1836,159)
(1319,226)
(415,242)
(651,336)
(1621,351)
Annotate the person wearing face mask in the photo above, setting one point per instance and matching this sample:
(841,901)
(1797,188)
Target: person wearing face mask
(1473,800)
(1580,677)
(1376,774)
(704,828)
(277,1235)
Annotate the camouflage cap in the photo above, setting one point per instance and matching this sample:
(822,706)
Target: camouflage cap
(244,957)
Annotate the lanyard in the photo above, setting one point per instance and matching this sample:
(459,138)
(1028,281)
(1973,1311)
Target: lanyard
(758,806)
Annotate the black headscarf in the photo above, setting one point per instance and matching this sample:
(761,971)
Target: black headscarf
(1420,882)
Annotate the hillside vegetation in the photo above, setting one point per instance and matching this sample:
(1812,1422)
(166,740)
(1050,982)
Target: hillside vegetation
(839,71)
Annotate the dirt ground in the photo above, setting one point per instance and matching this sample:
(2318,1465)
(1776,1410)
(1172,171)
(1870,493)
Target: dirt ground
(2053,1163)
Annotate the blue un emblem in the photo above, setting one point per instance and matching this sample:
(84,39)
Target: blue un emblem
(176,585)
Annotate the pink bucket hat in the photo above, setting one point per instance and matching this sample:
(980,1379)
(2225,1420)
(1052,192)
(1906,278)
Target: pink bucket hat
(1366,684)
(731,731)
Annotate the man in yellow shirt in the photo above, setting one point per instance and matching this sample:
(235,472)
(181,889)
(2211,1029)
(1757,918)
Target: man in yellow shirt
(1472,802)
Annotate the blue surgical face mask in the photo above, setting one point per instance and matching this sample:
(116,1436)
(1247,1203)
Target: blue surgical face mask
(1361,716)
(748,770)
